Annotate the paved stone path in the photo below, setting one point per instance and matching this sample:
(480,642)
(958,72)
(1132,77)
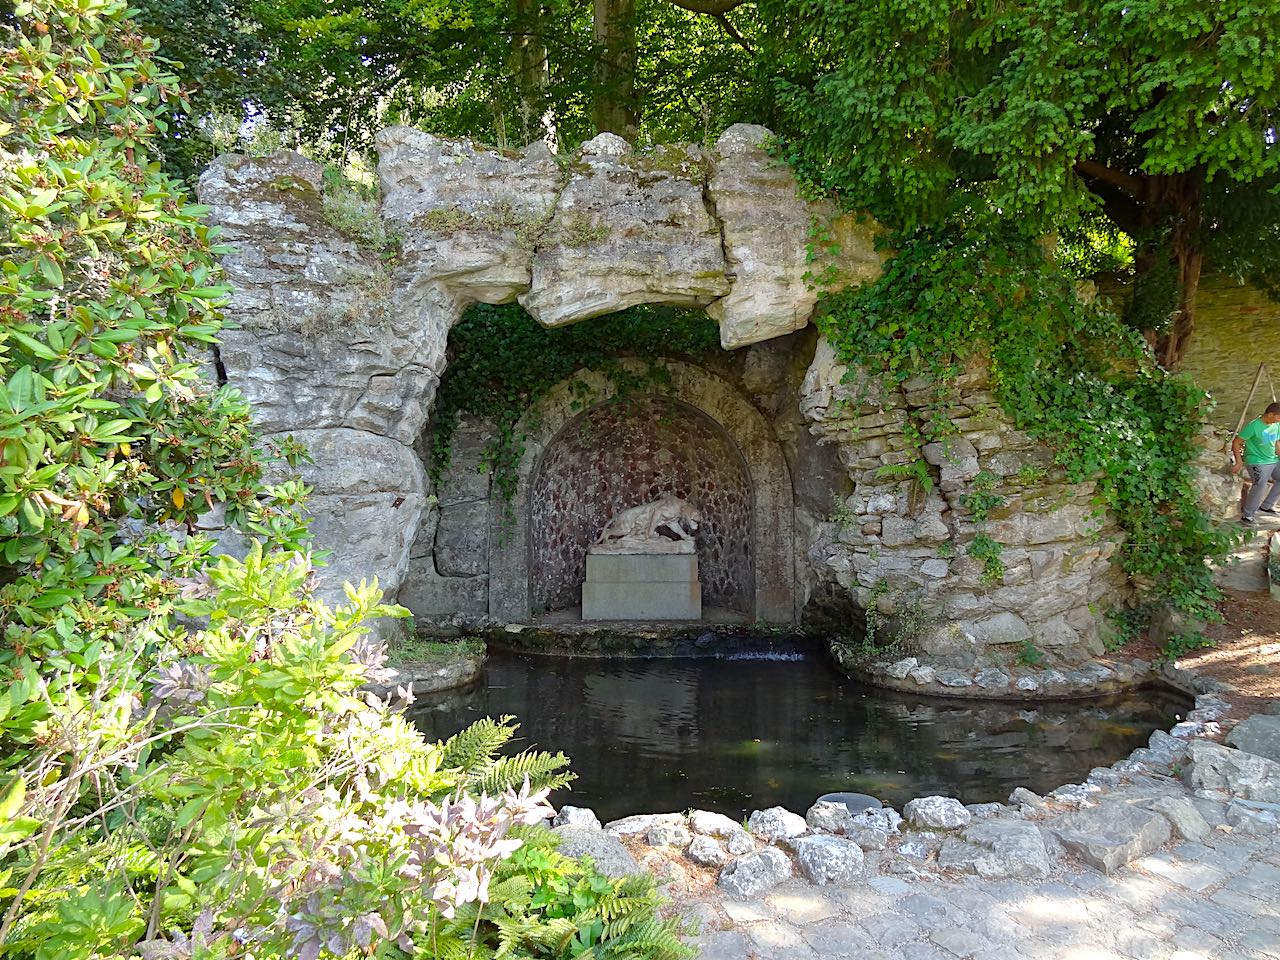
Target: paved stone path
(1214,901)
(1246,567)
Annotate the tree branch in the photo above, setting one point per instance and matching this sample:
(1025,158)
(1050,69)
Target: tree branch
(1135,186)
(712,7)
(732,31)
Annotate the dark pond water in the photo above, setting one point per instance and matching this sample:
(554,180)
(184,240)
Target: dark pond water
(743,734)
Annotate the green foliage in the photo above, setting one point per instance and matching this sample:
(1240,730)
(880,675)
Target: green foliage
(1029,655)
(501,361)
(922,108)
(1067,372)
(1181,644)
(545,905)
(415,649)
(987,552)
(253,788)
(109,294)
(1140,133)
(982,498)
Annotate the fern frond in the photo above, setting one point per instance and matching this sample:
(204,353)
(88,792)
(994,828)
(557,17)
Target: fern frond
(650,938)
(472,750)
(544,770)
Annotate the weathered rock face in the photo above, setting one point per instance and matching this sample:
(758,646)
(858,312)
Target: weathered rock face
(767,232)
(322,353)
(627,230)
(905,546)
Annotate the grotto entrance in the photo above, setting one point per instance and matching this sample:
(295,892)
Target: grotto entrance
(698,439)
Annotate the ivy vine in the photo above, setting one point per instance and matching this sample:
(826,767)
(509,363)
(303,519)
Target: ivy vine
(1068,372)
(502,361)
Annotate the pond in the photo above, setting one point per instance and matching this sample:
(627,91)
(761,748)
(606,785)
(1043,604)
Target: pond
(741,734)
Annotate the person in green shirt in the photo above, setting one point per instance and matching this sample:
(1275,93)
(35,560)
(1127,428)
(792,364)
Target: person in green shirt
(1256,448)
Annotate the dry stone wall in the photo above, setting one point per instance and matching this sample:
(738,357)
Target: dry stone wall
(903,547)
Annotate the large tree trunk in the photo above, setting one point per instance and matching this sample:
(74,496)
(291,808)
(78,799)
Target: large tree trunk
(1181,196)
(529,66)
(614,109)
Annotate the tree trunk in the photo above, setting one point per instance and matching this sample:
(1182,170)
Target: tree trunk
(528,65)
(1182,197)
(614,109)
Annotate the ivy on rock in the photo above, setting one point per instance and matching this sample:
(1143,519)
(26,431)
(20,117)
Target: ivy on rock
(502,361)
(1068,372)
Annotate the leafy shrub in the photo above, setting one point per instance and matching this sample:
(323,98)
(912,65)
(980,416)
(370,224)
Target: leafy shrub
(251,795)
(1068,372)
(109,293)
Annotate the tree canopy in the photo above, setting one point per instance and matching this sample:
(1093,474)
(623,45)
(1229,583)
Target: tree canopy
(1069,118)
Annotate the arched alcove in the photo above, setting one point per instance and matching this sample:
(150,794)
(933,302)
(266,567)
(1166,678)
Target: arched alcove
(694,438)
(629,451)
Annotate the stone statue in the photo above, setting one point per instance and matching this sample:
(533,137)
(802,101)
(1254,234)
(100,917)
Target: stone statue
(640,529)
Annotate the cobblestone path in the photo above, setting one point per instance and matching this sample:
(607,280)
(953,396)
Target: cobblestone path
(1219,900)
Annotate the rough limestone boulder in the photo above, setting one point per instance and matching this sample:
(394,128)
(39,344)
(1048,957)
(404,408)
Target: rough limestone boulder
(707,852)
(1187,820)
(1212,766)
(368,493)
(828,817)
(576,816)
(777,823)
(937,813)
(628,229)
(998,850)
(610,856)
(668,835)
(323,340)
(768,228)
(641,823)
(1259,735)
(468,217)
(755,873)
(1112,834)
(825,859)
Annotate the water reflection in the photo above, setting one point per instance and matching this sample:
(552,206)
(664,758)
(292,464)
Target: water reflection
(738,735)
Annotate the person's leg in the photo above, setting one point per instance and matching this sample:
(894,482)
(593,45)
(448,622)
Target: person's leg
(1274,494)
(1260,474)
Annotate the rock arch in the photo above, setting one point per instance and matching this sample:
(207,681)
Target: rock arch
(772,521)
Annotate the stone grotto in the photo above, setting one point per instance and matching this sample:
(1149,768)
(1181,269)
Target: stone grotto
(798,464)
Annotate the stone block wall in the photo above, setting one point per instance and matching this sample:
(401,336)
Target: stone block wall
(902,547)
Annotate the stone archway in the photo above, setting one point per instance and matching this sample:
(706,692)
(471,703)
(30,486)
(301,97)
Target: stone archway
(764,553)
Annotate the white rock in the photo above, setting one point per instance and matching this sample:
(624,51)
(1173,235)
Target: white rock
(942,813)
(708,852)
(828,817)
(642,823)
(901,668)
(777,823)
(668,835)
(824,859)
(579,816)
(755,873)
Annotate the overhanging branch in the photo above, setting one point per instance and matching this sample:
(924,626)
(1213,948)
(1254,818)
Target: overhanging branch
(1135,186)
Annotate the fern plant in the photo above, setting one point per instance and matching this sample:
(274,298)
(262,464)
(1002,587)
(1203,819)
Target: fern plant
(472,756)
(545,905)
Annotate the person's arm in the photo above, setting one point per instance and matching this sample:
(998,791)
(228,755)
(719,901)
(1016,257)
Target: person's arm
(1237,453)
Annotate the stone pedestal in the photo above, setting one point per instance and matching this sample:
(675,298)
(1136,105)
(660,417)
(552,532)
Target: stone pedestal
(641,586)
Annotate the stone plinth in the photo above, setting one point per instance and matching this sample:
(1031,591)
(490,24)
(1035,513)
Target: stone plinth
(639,586)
